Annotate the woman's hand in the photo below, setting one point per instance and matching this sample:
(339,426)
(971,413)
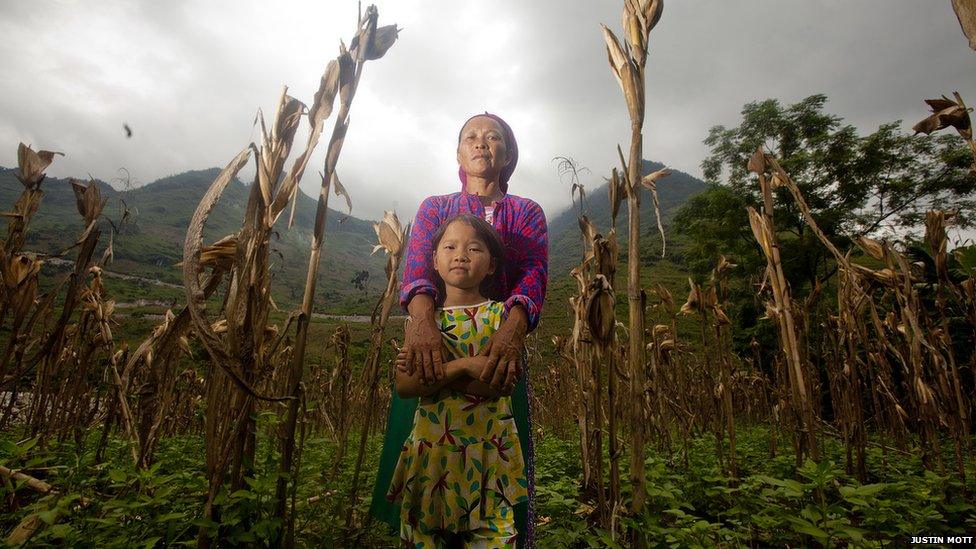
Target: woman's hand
(401,362)
(422,341)
(504,350)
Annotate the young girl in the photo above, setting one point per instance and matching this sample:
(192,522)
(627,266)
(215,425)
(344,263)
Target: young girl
(461,469)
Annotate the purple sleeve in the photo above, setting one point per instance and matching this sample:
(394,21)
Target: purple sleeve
(531,261)
(417,276)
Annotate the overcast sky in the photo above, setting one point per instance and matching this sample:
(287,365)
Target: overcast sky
(188,77)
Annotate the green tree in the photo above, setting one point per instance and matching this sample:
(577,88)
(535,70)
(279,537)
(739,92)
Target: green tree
(878,184)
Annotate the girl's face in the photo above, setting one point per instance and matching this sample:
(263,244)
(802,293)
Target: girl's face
(462,259)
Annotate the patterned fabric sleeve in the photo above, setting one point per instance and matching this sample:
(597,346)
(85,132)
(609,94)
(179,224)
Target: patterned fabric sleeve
(417,275)
(531,260)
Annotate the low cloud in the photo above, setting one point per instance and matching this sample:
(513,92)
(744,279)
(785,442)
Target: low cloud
(189,76)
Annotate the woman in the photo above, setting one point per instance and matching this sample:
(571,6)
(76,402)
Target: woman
(487,154)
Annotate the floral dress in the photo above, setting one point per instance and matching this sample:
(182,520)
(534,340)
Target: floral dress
(461,466)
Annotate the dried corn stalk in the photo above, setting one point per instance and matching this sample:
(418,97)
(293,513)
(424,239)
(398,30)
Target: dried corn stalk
(764,231)
(392,239)
(628,61)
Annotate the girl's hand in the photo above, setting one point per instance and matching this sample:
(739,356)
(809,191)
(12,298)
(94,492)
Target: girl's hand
(475,365)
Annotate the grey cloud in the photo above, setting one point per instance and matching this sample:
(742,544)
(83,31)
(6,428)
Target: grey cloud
(188,77)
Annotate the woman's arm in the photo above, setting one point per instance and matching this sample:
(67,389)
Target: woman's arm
(530,260)
(418,269)
(422,338)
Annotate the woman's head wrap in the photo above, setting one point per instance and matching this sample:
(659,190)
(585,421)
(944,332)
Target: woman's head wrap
(510,144)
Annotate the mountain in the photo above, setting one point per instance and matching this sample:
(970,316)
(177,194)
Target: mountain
(565,244)
(150,239)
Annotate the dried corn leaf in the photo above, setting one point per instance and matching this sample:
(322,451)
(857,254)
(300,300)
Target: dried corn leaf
(347,75)
(587,229)
(723,265)
(88,200)
(652,13)
(665,296)
(109,254)
(19,268)
(633,28)
(341,191)
(196,300)
(389,233)
(335,146)
(618,192)
(966,14)
(872,247)
(220,255)
(771,311)
(26,528)
(383,38)
(721,318)
(627,73)
(32,164)
(605,255)
(709,298)
(616,53)
(946,113)
(287,120)
(694,302)
(935,234)
(760,231)
(757,162)
(650,180)
(324,98)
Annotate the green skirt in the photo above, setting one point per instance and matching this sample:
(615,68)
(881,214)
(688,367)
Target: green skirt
(398,427)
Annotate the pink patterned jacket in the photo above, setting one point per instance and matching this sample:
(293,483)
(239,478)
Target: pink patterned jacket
(520,223)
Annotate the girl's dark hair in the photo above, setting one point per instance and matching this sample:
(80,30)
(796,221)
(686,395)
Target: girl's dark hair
(491,285)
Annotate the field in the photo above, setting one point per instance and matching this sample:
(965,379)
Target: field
(772,503)
(814,388)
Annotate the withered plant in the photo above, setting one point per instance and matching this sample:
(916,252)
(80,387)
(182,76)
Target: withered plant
(240,344)
(392,239)
(628,62)
(764,230)
(155,362)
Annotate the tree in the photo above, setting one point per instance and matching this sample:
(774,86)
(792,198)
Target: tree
(880,184)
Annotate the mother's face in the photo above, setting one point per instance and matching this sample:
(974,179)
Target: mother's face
(482,151)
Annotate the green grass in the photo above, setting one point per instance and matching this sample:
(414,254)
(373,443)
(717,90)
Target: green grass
(773,503)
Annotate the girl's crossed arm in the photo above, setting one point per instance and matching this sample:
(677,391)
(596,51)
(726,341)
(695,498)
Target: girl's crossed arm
(461,374)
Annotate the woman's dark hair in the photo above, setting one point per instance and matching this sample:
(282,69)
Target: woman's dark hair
(490,286)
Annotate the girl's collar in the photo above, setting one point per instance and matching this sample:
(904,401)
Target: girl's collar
(453,307)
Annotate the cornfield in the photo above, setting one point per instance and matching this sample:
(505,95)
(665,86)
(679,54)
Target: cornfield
(262,398)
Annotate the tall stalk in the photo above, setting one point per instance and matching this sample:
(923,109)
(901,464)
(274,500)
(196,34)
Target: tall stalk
(392,240)
(764,230)
(628,63)
(342,76)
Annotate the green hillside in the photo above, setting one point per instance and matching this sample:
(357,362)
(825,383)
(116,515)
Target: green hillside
(150,241)
(566,247)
